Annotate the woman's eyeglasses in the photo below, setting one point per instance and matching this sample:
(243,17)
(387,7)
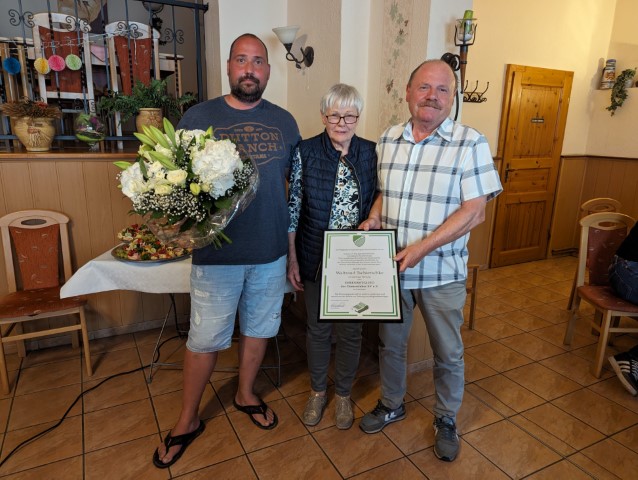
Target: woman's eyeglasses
(348,119)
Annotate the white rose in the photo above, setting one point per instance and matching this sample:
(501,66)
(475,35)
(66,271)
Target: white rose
(176,177)
(163,189)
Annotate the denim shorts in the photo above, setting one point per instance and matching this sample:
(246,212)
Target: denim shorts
(623,278)
(219,292)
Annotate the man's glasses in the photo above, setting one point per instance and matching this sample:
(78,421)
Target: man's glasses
(349,119)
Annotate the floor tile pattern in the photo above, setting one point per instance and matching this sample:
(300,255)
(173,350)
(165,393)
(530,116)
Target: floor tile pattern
(531,408)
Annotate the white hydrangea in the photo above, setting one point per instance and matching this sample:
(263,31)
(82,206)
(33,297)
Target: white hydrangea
(215,165)
(132,181)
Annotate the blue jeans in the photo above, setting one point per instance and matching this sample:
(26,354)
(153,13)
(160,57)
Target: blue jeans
(319,344)
(442,310)
(218,292)
(623,278)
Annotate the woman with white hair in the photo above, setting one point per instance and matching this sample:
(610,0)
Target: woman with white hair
(332,186)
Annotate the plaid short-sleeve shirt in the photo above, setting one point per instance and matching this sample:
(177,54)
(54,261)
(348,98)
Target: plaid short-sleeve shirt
(424,183)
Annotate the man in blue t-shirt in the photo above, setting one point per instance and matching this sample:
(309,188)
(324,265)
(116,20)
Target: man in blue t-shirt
(248,276)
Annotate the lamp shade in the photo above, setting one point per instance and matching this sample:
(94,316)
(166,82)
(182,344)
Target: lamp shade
(286,35)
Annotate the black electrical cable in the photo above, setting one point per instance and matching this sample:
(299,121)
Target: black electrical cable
(44,432)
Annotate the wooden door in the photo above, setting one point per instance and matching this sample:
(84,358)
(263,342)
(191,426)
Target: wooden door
(533,119)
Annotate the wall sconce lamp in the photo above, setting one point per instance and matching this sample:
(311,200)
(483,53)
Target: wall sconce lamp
(464,36)
(286,36)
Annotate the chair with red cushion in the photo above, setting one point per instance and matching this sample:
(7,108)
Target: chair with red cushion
(36,257)
(601,235)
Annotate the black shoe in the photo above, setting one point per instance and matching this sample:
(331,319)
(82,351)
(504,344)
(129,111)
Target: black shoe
(626,367)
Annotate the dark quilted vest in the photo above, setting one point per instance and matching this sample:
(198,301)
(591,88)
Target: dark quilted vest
(320,162)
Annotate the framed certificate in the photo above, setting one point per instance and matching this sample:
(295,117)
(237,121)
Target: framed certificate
(359,278)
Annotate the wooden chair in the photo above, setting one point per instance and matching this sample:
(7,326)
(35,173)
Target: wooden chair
(63,35)
(134,54)
(472,283)
(37,240)
(601,235)
(598,205)
(594,205)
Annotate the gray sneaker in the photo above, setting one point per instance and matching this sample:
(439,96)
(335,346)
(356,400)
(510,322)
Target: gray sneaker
(377,419)
(344,416)
(314,409)
(446,440)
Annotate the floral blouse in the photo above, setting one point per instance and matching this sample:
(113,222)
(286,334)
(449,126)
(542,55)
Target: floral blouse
(344,213)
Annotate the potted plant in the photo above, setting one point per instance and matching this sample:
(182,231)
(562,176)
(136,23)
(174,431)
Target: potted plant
(32,122)
(619,90)
(148,102)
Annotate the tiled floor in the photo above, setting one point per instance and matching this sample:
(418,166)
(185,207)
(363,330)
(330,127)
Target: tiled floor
(531,408)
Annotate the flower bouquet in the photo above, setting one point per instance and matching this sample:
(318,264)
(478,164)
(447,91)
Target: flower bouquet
(188,185)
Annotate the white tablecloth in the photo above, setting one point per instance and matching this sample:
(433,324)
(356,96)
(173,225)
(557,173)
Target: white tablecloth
(105,273)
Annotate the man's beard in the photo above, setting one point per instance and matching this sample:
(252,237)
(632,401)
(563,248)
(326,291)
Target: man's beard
(240,93)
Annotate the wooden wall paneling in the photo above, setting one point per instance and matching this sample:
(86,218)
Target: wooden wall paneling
(627,188)
(44,183)
(120,203)
(154,307)
(17,187)
(109,308)
(4,286)
(3,192)
(131,310)
(73,201)
(565,231)
(98,202)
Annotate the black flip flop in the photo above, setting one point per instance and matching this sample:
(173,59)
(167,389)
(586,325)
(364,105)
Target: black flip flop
(262,408)
(183,440)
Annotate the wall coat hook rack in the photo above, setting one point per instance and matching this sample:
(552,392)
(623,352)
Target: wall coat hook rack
(474,96)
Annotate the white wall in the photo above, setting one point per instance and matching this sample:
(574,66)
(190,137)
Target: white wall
(567,35)
(258,17)
(321,23)
(616,136)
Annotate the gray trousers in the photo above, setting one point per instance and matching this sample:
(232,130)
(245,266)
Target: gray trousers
(319,344)
(442,310)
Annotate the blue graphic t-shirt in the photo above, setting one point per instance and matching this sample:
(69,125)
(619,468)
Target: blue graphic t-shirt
(267,134)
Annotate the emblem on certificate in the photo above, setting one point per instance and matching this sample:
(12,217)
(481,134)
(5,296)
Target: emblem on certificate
(359,278)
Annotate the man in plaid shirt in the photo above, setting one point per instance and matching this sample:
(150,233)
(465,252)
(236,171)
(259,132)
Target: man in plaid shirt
(435,177)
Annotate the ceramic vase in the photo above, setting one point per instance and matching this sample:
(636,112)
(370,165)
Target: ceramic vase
(149,116)
(36,134)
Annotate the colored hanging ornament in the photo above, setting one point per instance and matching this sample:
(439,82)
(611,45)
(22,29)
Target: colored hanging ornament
(11,65)
(42,66)
(56,62)
(73,62)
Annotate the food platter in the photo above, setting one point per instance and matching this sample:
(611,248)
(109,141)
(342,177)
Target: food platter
(139,245)
(121,253)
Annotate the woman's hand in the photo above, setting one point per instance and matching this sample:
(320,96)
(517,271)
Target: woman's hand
(293,274)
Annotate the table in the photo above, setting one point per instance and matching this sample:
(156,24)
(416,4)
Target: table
(105,273)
